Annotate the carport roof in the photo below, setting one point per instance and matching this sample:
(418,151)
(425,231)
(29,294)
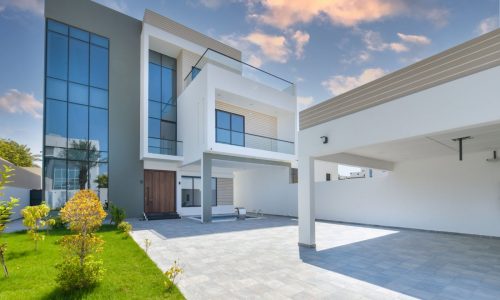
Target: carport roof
(465,59)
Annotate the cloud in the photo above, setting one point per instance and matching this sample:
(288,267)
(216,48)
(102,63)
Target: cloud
(273,47)
(487,25)
(255,61)
(14,101)
(283,14)
(35,7)
(259,47)
(374,42)
(118,5)
(438,16)
(304,102)
(398,47)
(301,38)
(415,39)
(340,84)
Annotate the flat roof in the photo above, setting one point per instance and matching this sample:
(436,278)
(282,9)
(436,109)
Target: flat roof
(169,25)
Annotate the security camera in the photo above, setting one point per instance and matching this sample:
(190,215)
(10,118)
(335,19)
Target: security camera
(324,139)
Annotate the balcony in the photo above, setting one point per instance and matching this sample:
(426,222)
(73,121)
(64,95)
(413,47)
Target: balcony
(254,141)
(165,147)
(241,68)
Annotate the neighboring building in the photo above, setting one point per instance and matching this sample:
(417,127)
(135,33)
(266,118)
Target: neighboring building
(23,180)
(420,112)
(154,116)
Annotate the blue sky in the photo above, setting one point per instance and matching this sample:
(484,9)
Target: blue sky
(326,47)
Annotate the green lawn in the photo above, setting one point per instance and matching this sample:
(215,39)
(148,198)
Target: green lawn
(130,274)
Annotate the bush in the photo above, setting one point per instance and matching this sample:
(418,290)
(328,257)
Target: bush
(58,223)
(6,208)
(118,215)
(73,275)
(125,227)
(80,268)
(35,217)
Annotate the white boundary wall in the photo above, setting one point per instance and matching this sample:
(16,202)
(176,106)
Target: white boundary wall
(439,193)
(267,189)
(20,193)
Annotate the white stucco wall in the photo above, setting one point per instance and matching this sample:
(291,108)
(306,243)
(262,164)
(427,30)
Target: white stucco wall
(439,193)
(321,168)
(22,194)
(267,189)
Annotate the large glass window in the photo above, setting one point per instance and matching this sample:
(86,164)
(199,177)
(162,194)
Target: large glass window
(230,128)
(162,108)
(191,191)
(76,113)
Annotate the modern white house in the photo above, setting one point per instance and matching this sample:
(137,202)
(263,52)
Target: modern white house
(434,126)
(168,115)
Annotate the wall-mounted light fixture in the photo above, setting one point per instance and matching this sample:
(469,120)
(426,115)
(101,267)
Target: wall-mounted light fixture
(324,139)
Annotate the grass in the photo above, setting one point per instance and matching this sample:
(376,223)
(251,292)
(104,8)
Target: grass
(130,274)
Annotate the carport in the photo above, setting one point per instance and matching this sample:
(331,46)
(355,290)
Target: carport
(410,122)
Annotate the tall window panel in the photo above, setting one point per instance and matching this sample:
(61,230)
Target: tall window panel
(162,107)
(76,113)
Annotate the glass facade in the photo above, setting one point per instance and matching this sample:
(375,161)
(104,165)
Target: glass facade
(162,107)
(230,128)
(76,113)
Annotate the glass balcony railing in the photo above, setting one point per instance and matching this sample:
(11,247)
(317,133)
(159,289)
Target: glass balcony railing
(241,68)
(253,141)
(165,147)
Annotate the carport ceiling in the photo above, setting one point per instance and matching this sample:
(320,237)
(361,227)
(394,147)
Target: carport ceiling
(484,138)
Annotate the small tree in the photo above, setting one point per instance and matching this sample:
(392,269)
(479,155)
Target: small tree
(18,154)
(35,217)
(6,208)
(84,215)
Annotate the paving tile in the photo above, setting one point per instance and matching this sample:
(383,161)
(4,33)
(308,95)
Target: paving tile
(260,259)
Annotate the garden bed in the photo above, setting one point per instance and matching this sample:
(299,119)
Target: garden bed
(130,274)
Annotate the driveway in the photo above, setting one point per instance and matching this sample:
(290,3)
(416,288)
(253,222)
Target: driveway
(260,258)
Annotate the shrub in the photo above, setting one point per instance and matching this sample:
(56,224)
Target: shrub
(80,268)
(172,273)
(35,217)
(73,275)
(58,223)
(117,214)
(6,208)
(125,227)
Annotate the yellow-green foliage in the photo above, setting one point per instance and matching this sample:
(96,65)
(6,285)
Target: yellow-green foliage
(80,268)
(172,273)
(125,227)
(84,212)
(6,208)
(35,218)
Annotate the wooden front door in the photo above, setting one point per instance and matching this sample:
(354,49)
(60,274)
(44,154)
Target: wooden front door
(159,191)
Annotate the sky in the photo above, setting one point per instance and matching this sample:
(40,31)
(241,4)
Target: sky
(325,47)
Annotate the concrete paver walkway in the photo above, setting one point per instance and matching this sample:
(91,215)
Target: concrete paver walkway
(260,259)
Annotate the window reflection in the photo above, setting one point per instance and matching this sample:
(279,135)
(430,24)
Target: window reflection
(76,115)
(162,108)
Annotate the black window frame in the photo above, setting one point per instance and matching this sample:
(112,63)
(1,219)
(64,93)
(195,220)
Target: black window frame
(230,128)
(192,189)
(328,177)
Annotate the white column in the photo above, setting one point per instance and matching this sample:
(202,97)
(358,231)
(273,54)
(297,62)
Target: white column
(206,189)
(307,206)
